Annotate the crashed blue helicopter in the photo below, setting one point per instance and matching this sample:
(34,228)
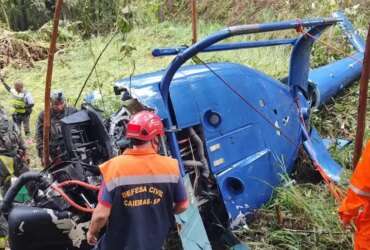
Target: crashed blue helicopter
(248,123)
(234,130)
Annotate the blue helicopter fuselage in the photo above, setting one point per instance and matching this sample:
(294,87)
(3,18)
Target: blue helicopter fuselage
(246,153)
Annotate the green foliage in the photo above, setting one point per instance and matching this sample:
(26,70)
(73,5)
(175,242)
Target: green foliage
(240,11)
(338,117)
(300,216)
(93,16)
(24,14)
(146,12)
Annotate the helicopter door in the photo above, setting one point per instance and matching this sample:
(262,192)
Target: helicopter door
(240,162)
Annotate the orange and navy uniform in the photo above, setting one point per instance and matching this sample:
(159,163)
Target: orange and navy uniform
(141,188)
(356,205)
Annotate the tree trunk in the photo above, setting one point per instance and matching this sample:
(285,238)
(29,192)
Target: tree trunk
(24,18)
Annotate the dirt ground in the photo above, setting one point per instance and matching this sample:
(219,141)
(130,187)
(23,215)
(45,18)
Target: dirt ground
(19,53)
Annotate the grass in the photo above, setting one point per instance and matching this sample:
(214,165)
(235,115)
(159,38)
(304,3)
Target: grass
(308,211)
(301,216)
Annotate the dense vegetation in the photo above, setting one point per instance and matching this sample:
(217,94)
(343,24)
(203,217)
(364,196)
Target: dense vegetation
(92,16)
(302,215)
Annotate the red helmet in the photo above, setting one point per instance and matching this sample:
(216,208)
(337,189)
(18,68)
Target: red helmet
(144,126)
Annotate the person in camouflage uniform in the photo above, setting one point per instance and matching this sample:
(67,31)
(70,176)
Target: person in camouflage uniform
(13,160)
(59,110)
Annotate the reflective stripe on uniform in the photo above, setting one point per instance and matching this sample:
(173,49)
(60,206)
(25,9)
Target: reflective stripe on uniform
(358,191)
(136,180)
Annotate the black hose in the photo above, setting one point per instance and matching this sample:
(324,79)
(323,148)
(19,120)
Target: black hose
(16,187)
(200,149)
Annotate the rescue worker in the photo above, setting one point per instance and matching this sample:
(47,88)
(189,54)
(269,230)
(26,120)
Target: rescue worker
(356,205)
(13,160)
(22,104)
(140,193)
(59,110)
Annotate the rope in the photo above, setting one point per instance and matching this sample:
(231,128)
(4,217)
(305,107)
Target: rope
(300,29)
(247,102)
(94,66)
(336,191)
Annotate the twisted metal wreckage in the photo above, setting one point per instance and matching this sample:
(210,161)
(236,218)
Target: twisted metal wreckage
(233,129)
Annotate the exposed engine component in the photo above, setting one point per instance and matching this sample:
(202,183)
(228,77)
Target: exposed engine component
(66,191)
(116,124)
(194,159)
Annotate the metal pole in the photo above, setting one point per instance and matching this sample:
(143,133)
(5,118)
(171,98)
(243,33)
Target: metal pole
(194,20)
(49,75)
(361,118)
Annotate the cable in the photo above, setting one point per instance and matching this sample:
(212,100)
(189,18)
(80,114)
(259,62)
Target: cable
(70,201)
(300,29)
(93,68)
(78,183)
(336,191)
(246,101)
(131,75)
